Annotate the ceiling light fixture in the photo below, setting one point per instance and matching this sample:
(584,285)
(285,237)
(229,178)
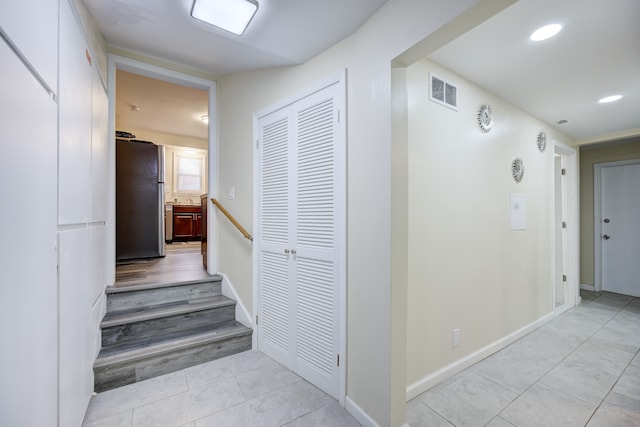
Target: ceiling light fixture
(545,32)
(230,15)
(205,118)
(611,98)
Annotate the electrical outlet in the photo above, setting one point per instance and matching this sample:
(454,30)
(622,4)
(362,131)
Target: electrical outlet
(455,338)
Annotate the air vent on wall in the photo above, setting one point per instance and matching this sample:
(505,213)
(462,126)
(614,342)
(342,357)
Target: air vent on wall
(443,92)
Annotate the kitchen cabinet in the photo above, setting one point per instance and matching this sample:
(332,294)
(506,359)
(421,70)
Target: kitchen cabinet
(187,222)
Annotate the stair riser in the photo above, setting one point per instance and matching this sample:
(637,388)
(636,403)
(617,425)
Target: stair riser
(144,330)
(142,298)
(109,377)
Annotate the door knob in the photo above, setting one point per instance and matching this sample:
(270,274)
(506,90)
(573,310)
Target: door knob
(293,251)
(286,251)
(607,221)
(606,237)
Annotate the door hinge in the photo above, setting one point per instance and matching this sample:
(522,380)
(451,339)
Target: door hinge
(256,320)
(564,277)
(564,224)
(338,116)
(338,360)
(564,171)
(257,144)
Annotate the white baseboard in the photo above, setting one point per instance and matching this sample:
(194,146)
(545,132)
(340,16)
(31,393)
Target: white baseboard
(419,387)
(359,414)
(587,287)
(242,314)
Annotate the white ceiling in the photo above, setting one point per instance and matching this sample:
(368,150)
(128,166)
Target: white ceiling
(596,54)
(283,32)
(146,103)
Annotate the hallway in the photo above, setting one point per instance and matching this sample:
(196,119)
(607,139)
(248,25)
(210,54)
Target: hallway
(582,368)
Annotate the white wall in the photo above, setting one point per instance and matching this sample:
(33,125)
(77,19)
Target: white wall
(28,257)
(467,269)
(367,56)
(54,161)
(82,201)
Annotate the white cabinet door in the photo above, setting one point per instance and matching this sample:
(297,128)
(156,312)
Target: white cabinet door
(74,100)
(32,26)
(298,267)
(28,259)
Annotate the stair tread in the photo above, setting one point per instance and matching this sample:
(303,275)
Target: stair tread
(119,353)
(144,287)
(157,311)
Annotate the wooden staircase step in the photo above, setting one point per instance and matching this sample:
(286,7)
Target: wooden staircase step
(123,317)
(153,329)
(157,321)
(119,365)
(139,296)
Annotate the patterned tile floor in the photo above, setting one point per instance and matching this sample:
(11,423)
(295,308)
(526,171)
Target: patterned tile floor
(582,368)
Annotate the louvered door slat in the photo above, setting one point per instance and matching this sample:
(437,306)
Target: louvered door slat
(274,270)
(316,315)
(275,182)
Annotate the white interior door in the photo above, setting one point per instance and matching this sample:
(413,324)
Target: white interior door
(620,225)
(275,281)
(299,239)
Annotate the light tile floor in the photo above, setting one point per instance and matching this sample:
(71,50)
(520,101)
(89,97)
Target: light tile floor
(247,389)
(582,368)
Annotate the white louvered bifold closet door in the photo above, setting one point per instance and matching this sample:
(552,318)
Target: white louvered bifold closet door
(276,233)
(305,265)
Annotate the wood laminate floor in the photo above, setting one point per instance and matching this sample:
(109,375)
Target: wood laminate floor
(183,261)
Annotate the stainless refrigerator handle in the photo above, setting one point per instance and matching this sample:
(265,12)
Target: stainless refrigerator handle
(161,159)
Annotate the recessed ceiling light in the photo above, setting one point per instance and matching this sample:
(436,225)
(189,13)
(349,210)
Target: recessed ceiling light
(545,32)
(230,15)
(611,98)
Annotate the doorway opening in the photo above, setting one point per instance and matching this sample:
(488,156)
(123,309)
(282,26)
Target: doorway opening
(565,229)
(616,226)
(166,113)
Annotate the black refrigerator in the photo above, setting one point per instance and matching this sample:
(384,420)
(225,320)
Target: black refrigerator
(139,200)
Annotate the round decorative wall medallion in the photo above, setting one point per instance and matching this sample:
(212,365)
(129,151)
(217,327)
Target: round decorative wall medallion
(485,118)
(517,169)
(542,141)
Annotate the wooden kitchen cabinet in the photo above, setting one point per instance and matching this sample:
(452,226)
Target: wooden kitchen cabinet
(187,222)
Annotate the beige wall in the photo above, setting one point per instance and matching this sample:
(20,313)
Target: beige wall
(467,269)
(367,56)
(589,156)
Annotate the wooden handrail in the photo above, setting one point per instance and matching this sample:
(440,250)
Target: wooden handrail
(230,217)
